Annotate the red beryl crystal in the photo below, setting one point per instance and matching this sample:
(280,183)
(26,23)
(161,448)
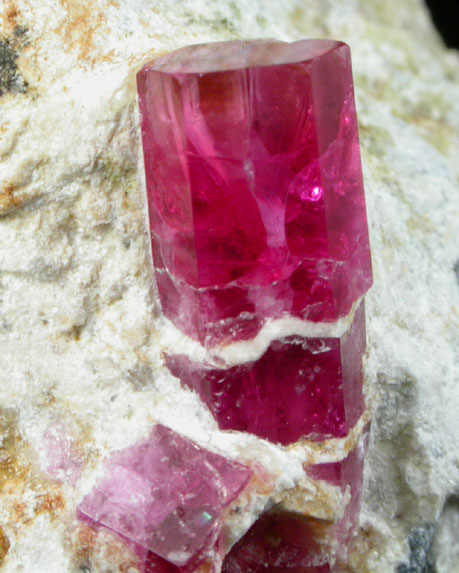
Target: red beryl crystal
(300,387)
(254,184)
(281,541)
(165,495)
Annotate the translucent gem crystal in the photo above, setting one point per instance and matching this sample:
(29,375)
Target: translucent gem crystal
(300,387)
(254,184)
(165,495)
(257,212)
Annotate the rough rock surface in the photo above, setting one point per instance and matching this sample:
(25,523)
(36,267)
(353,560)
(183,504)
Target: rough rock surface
(79,348)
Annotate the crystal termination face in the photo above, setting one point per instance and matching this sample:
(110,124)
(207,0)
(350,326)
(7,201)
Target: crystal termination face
(254,185)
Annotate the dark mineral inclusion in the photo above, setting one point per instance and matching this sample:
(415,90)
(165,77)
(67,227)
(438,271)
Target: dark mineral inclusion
(10,47)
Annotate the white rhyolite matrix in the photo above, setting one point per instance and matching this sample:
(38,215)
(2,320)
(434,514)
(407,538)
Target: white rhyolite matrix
(80,336)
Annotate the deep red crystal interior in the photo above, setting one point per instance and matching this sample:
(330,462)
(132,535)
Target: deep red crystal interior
(254,185)
(281,542)
(300,387)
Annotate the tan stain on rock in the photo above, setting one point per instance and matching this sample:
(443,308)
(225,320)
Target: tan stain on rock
(82,23)
(4,545)
(367,543)
(10,467)
(9,199)
(324,502)
(103,551)
(51,502)
(11,16)
(84,544)
(24,492)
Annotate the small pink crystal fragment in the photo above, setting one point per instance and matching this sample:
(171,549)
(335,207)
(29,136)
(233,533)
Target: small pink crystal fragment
(59,456)
(166,494)
(254,184)
(299,387)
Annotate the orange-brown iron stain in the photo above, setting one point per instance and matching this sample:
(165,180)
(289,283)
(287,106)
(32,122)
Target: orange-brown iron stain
(17,476)
(90,542)
(4,545)
(82,23)
(11,16)
(84,544)
(8,199)
(10,469)
(51,502)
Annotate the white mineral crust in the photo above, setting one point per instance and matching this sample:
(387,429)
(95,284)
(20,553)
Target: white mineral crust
(80,343)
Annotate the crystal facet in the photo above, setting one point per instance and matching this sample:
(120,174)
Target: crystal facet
(166,494)
(300,387)
(281,542)
(254,185)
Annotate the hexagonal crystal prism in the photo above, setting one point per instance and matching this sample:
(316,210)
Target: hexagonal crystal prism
(254,184)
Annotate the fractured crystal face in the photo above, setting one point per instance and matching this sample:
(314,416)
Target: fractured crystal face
(348,475)
(254,185)
(280,542)
(284,541)
(300,387)
(165,496)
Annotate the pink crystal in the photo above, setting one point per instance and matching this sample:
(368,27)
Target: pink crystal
(59,457)
(254,184)
(281,541)
(166,495)
(299,387)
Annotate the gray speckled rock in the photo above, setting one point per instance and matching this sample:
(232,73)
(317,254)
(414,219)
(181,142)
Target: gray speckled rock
(79,348)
